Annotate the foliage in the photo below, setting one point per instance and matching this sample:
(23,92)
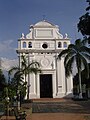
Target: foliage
(84,23)
(17,81)
(78,53)
(84,28)
(33,67)
(3,83)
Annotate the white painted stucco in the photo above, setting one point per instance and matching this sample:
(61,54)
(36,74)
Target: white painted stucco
(46,33)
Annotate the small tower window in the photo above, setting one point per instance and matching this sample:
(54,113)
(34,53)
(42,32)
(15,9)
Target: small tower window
(30,45)
(59,45)
(24,44)
(65,44)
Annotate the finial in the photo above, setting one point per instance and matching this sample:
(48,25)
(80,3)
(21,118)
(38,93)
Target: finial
(30,29)
(22,35)
(66,35)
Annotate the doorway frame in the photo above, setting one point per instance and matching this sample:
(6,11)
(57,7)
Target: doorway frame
(54,87)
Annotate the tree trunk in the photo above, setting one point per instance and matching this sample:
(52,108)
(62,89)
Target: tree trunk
(80,84)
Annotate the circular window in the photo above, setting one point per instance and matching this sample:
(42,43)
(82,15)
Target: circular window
(45,45)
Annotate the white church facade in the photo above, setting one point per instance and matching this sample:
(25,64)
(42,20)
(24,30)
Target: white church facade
(43,44)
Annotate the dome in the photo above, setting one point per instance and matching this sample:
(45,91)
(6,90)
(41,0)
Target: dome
(44,23)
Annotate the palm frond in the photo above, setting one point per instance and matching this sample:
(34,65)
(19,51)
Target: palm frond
(86,56)
(68,67)
(34,63)
(85,65)
(64,52)
(23,58)
(78,61)
(24,61)
(31,68)
(78,43)
(72,47)
(18,73)
(12,70)
(85,49)
(85,41)
(69,56)
(34,70)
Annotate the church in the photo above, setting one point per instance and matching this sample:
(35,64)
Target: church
(43,43)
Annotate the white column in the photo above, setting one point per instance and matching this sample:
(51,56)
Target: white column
(38,86)
(54,84)
(64,84)
(56,67)
(69,86)
(61,78)
(28,82)
(19,57)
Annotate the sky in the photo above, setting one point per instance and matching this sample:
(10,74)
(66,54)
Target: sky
(17,15)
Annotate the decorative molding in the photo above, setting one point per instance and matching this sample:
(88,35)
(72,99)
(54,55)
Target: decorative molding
(45,62)
(46,33)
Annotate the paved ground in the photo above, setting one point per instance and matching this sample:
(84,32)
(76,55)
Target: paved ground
(59,116)
(67,106)
(59,109)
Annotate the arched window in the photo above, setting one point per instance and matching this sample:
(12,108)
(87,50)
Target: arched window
(65,44)
(30,45)
(24,44)
(59,45)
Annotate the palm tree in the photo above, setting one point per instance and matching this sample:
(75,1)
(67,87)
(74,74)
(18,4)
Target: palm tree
(25,69)
(17,83)
(33,67)
(77,54)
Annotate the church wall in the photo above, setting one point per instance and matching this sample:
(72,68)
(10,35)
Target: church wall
(69,86)
(47,57)
(61,79)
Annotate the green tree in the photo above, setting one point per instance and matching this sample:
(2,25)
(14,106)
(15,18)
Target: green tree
(16,83)
(84,24)
(76,53)
(25,69)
